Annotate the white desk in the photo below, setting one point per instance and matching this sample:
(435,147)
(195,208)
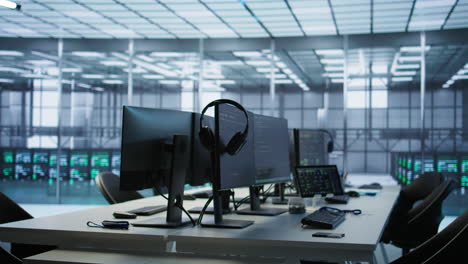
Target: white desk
(279,236)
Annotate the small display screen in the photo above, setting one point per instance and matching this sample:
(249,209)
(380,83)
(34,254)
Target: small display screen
(41,157)
(100,159)
(39,172)
(313,180)
(447,164)
(79,159)
(7,157)
(23,172)
(23,156)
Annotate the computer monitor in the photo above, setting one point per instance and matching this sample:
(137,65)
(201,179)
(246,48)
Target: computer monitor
(235,170)
(8,157)
(321,179)
(447,164)
(23,171)
(100,162)
(23,157)
(7,171)
(428,163)
(40,172)
(40,157)
(310,147)
(271,151)
(464,171)
(63,158)
(155,153)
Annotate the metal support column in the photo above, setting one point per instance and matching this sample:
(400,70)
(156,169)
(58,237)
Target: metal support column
(197,100)
(131,51)
(272,77)
(423,93)
(345,104)
(59,118)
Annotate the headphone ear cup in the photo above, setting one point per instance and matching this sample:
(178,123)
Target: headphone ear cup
(235,144)
(207,138)
(330,146)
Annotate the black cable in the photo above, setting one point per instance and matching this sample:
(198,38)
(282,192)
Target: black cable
(200,218)
(177,203)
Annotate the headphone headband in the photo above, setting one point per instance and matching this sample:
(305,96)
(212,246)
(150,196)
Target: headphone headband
(230,102)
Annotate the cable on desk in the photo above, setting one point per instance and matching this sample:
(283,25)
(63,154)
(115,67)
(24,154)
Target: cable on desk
(336,210)
(200,218)
(178,203)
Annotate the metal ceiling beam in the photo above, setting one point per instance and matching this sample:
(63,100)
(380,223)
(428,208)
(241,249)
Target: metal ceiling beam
(434,38)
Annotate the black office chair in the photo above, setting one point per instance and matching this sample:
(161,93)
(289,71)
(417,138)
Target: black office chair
(109,185)
(6,257)
(12,212)
(445,247)
(421,222)
(409,195)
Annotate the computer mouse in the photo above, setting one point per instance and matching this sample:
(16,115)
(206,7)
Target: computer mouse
(353,194)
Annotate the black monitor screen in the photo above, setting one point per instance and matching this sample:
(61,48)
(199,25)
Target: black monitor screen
(447,164)
(79,159)
(311,147)
(271,149)
(313,180)
(145,131)
(100,159)
(41,157)
(8,156)
(23,156)
(237,170)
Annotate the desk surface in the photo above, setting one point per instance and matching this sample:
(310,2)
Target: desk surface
(283,232)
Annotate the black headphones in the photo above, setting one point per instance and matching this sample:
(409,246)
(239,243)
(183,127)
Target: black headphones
(207,136)
(330,145)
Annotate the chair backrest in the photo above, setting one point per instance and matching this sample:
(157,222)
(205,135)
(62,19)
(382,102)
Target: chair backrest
(109,185)
(11,211)
(425,218)
(423,186)
(439,248)
(6,257)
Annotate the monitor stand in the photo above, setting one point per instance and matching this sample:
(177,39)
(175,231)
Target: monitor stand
(179,166)
(255,208)
(218,221)
(210,210)
(280,190)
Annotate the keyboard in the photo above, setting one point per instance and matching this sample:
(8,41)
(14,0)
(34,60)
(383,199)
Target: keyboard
(149,210)
(323,219)
(338,199)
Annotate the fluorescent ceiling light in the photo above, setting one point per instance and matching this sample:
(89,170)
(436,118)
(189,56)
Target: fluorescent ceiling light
(11,69)
(407,66)
(41,62)
(10,4)
(445,86)
(247,54)
(402,79)
(145,58)
(114,76)
(267,69)
(462,71)
(277,76)
(281,65)
(409,58)
(332,61)
(333,75)
(404,73)
(11,53)
(258,63)
(213,76)
(220,82)
(164,65)
(466,66)
(72,70)
(136,70)
(6,81)
(170,54)
(112,81)
(169,82)
(115,63)
(334,68)
(147,65)
(153,76)
(92,76)
(337,80)
(382,69)
(285,81)
(84,85)
(329,52)
(34,76)
(460,77)
(88,54)
(99,89)
(413,48)
(450,82)
(287,71)
(234,62)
